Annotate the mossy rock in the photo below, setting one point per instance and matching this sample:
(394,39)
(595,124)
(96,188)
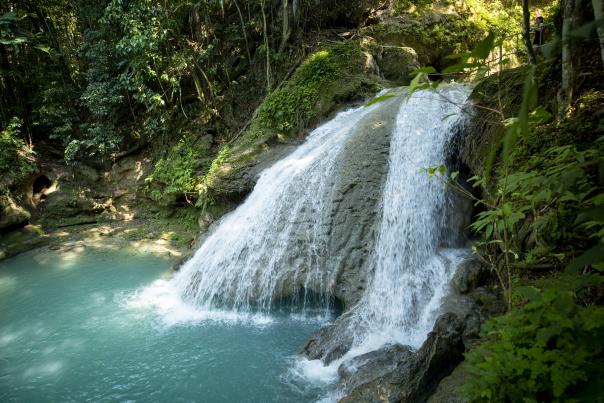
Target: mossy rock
(22,240)
(397,63)
(432,34)
(11,214)
(333,76)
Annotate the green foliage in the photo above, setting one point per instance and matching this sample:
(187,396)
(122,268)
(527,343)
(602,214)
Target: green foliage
(17,159)
(176,172)
(291,106)
(205,196)
(402,5)
(549,350)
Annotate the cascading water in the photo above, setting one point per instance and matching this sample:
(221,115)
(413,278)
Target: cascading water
(275,245)
(412,259)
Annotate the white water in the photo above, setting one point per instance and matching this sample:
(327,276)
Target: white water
(275,243)
(411,266)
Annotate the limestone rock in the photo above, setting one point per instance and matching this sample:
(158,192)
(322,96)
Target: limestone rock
(355,213)
(395,374)
(22,240)
(11,215)
(397,63)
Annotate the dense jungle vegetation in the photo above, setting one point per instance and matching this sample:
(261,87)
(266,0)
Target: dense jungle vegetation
(202,87)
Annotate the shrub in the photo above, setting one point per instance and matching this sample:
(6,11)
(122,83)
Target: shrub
(16,158)
(548,350)
(175,172)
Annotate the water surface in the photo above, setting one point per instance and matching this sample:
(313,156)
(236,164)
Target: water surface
(70,332)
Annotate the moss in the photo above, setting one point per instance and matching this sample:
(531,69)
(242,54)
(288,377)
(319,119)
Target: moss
(310,92)
(434,34)
(331,76)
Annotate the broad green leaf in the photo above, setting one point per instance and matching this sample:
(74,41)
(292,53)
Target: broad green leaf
(43,48)
(381,98)
(463,55)
(483,49)
(593,255)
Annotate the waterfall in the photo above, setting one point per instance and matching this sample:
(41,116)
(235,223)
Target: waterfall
(275,246)
(413,261)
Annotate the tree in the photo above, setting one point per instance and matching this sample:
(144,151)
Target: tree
(526,34)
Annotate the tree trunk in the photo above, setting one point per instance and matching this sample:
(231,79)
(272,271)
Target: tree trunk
(569,56)
(286,32)
(247,45)
(267,48)
(598,15)
(526,14)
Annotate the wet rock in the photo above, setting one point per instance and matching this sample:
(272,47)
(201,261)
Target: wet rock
(355,209)
(12,215)
(330,342)
(449,390)
(395,374)
(469,275)
(373,365)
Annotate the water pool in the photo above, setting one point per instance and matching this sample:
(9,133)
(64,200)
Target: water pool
(68,333)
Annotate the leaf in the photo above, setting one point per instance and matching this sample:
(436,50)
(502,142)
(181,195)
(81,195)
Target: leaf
(426,70)
(528,293)
(593,255)
(483,49)
(460,67)
(14,41)
(381,98)
(43,48)
(7,18)
(415,84)
(463,55)
(442,169)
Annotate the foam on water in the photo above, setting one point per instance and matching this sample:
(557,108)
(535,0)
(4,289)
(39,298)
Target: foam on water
(165,299)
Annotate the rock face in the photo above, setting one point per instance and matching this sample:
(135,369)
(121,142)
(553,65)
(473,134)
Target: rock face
(397,63)
(11,215)
(396,373)
(357,195)
(449,389)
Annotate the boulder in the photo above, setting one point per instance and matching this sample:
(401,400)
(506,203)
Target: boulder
(22,240)
(330,342)
(373,365)
(397,63)
(469,275)
(449,390)
(12,215)
(396,374)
